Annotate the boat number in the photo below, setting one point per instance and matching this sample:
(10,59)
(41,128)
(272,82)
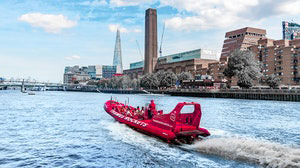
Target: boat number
(173,116)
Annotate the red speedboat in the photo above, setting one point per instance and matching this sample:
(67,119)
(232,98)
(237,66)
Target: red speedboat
(177,126)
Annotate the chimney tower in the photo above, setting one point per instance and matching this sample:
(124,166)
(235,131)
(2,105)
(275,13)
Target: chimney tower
(150,40)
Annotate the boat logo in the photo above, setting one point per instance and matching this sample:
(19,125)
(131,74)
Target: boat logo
(173,116)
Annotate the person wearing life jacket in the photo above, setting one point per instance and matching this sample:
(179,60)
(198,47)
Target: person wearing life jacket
(152,106)
(151,109)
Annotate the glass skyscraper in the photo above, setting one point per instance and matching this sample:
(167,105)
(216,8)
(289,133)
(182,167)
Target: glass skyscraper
(118,54)
(290,31)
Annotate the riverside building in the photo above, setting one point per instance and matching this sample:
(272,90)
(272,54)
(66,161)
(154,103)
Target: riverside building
(77,74)
(189,61)
(279,57)
(240,39)
(237,39)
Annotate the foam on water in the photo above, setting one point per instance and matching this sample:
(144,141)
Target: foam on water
(264,153)
(162,150)
(122,132)
(268,154)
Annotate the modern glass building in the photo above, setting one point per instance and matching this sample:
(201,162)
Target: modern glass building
(290,31)
(136,65)
(183,56)
(108,71)
(188,55)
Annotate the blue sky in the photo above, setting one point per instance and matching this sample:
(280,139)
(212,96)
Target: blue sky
(40,37)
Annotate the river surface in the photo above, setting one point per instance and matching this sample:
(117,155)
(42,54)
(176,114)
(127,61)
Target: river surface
(71,129)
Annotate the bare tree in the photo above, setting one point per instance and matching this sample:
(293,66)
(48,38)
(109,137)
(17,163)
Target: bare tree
(103,83)
(125,82)
(167,79)
(184,76)
(273,81)
(243,65)
(149,81)
(115,82)
(135,83)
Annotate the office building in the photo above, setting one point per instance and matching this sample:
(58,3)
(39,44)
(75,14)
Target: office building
(108,71)
(83,74)
(290,31)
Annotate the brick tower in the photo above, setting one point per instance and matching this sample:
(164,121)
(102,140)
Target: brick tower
(150,40)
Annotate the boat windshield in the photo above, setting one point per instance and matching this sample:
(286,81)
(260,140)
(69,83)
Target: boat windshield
(187,109)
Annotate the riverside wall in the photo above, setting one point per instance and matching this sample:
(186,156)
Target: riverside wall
(242,94)
(258,94)
(269,94)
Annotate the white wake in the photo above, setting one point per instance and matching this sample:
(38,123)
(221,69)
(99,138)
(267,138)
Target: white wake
(267,154)
(264,153)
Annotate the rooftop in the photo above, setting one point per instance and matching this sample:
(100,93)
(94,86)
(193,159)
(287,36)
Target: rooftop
(248,30)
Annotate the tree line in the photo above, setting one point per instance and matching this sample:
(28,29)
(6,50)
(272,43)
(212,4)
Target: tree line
(148,81)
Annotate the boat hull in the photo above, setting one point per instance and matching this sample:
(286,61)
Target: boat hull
(150,126)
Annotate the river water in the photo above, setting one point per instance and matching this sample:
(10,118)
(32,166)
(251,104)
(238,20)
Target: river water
(71,129)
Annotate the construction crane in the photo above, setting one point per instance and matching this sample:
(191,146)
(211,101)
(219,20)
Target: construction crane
(137,43)
(161,40)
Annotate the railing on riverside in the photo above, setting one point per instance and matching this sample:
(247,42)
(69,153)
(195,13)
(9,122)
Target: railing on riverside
(237,90)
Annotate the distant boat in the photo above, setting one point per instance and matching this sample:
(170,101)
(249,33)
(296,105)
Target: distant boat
(31,93)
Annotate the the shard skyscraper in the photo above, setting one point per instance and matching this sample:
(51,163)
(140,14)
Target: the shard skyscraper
(118,54)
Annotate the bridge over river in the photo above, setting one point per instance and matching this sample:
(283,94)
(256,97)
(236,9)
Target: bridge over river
(28,85)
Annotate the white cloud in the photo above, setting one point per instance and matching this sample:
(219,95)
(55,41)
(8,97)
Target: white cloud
(137,30)
(292,8)
(50,23)
(120,3)
(206,14)
(94,3)
(115,27)
(73,57)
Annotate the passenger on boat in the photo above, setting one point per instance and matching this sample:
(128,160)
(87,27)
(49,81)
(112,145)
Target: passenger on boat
(137,111)
(128,113)
(142,111)
(123,110)
(152,106)
(151,109)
